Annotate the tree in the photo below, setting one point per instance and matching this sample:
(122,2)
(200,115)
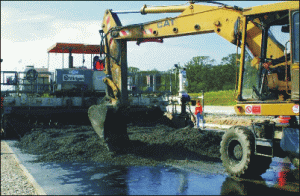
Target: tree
(230,70)
(133,69)
(199,73)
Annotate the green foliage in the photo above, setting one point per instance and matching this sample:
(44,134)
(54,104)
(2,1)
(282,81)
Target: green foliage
(221,98)
(203,75)
(133,69)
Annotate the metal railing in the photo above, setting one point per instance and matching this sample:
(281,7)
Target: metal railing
(150,82)
(16,83)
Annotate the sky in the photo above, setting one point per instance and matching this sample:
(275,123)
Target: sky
(29,28)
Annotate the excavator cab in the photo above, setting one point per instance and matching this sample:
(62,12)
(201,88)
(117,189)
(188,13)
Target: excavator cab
(268,86)
(262,82)
(271,74)
(268,82)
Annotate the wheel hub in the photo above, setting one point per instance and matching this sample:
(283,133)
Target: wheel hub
(238,152)
(235,151)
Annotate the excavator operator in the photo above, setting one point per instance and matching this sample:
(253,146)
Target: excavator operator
(98,64)
(280,71)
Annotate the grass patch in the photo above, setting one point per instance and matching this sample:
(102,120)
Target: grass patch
(222,98)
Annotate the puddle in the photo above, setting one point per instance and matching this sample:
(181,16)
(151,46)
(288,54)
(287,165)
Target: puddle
(78,178)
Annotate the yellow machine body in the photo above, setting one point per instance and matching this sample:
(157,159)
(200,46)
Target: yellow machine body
(230,23)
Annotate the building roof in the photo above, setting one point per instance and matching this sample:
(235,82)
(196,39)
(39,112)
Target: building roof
(75,48)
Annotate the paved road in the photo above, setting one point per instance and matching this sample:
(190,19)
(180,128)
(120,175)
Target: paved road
(96,179)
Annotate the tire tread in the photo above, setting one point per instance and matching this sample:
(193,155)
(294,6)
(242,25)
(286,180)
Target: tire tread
(253,165)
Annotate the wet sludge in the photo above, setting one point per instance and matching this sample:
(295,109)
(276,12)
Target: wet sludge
(151,143)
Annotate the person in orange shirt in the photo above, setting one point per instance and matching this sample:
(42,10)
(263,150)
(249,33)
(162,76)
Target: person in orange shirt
(98,64)
(198,113)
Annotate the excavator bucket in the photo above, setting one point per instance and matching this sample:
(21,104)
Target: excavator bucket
(110,125)
(97,115)
(108,119)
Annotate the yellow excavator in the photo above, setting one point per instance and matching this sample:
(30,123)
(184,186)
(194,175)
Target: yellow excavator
(268,82)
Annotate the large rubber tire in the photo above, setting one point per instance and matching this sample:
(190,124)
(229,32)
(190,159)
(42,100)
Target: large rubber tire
(237,154)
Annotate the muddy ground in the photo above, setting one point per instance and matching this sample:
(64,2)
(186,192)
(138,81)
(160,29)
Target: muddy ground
(152,144)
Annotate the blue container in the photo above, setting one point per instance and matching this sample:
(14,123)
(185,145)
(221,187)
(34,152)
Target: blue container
(74,79)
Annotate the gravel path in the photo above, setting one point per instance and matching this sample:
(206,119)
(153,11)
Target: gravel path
(13,180)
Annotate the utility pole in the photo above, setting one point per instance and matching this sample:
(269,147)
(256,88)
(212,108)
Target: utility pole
(170,81)
(176,68)
(203,121)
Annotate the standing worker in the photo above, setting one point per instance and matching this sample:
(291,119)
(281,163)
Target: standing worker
(198,113)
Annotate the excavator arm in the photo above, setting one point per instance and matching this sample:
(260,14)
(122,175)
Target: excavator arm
(201,19)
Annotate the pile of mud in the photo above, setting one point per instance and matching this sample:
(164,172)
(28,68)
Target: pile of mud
(235,119)
(152,145)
